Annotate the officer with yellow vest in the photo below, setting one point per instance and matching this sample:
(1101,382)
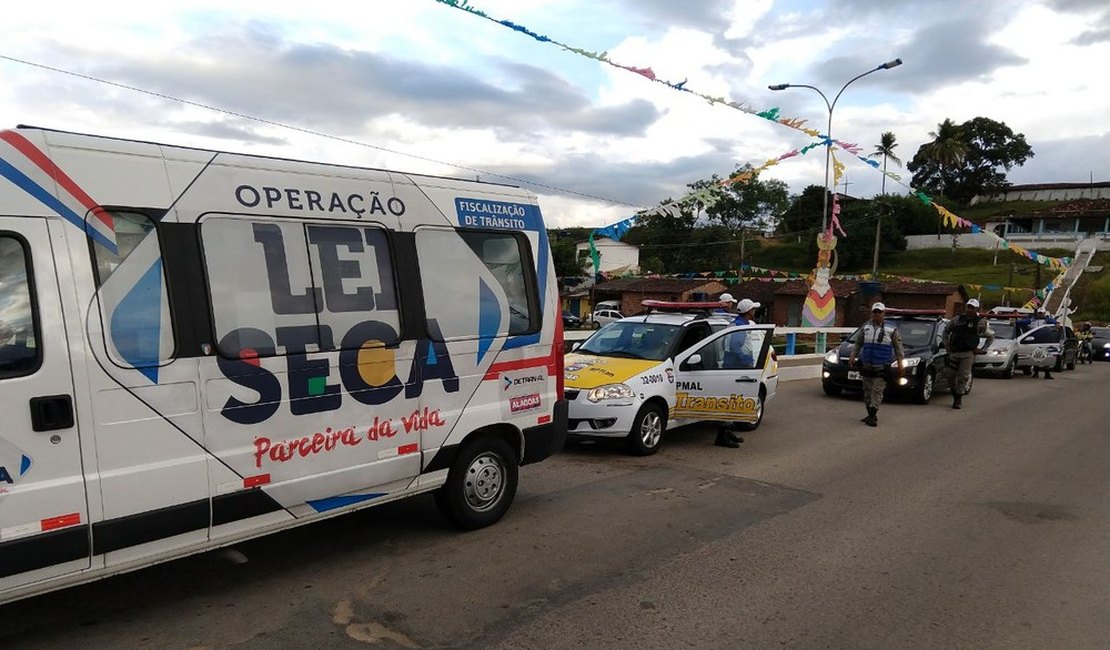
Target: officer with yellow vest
(877,346)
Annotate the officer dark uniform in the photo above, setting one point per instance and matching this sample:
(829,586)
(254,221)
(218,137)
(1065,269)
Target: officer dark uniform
(961,339)
(876,346)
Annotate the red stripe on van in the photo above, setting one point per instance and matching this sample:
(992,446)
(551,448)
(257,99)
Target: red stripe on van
(408,449)
(61,521)
(24,146)
(254,481)
(508,366)
(543,419)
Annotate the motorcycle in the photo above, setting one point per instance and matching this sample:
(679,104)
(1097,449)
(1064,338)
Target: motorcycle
(1086,352)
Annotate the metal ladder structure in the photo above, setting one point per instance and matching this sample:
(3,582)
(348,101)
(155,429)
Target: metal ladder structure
(1057,301)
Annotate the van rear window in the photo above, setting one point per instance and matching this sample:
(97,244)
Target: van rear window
(19,351)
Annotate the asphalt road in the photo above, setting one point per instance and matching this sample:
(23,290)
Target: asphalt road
(987,527)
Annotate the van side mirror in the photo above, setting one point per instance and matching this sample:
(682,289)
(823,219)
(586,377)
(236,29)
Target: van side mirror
(693,363)
(574,346)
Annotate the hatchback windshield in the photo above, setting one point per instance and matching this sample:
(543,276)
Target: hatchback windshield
(1003,329)
(632,340)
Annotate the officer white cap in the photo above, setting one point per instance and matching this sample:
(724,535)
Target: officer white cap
(746,305)
(878,307)
(726,297)
(973,303)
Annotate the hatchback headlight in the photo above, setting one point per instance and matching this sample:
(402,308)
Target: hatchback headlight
(610,391)
(832,356)
(910,362)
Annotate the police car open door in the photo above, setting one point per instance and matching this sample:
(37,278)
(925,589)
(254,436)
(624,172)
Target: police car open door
(43,513)
(720,377)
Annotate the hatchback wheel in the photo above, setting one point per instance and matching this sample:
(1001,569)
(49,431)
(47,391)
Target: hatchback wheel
(647,431)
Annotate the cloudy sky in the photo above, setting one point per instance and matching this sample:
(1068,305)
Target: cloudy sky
(419,86)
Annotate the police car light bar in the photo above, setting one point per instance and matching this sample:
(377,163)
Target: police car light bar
(894,311)
(664,305)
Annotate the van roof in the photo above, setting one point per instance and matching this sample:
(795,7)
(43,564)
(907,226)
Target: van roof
(261,157)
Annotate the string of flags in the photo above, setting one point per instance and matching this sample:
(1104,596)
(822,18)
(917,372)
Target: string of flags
(706,196)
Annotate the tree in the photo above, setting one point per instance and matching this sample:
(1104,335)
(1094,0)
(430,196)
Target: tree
(886,148)
(969,159)
(564,253)
(803,216)
(752,204)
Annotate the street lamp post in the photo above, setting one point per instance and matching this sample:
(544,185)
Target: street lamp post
(828,131)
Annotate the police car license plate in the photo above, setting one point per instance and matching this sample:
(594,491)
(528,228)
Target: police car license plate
(853,375)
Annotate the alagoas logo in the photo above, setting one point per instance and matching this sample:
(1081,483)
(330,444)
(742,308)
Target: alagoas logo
(14,464)
(524,403)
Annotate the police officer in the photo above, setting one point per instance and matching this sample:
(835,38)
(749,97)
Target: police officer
(876,346)
(737,355)
(961,339)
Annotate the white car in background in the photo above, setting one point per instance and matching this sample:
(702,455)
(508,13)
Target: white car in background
(602,317)
(1001,356)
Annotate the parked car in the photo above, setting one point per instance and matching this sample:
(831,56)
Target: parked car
(1001,356)
(644,375)
(921,332)
(1100,344)
(1047,346)
(604,317)
(570,320)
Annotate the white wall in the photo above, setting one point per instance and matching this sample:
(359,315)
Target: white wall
(615,255)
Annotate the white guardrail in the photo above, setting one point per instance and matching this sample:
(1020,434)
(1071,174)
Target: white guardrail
(791,366)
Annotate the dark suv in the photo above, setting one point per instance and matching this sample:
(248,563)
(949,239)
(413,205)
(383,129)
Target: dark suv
(921,341)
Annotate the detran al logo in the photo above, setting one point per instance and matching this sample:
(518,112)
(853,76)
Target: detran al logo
(508,382)
(14,464)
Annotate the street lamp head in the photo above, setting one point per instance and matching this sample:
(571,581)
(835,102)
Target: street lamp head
(891,64)
(779,86)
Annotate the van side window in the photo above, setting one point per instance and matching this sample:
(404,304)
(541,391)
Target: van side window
(283,287)
(462,269)
(131,290)
(19,352)
(351,267)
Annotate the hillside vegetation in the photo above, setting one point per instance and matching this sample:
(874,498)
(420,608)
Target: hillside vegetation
(1091,295)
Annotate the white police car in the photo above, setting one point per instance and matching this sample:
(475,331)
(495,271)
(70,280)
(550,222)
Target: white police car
(642,375)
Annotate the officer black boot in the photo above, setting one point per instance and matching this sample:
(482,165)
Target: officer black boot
(725,440)
(957,399)
(1048,374)
(872,419)
(728,429)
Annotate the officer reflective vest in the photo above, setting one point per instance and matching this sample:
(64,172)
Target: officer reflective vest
(877,348)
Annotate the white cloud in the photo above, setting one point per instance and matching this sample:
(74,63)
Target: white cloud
(455,91)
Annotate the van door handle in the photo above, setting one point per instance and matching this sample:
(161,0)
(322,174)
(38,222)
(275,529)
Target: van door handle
(747,380)
(51,412)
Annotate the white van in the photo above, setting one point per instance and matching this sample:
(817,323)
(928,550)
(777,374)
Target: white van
(200,347)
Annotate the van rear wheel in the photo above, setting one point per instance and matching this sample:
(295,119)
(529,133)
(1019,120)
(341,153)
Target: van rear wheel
(480,485)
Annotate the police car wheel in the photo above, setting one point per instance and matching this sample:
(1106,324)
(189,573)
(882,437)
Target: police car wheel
(752,426)
(480,485)
(1008,372)
(647,431)
(925,389)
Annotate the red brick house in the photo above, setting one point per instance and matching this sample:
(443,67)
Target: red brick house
(632,291)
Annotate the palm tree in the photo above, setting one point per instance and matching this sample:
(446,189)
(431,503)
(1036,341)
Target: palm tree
(947,149)
(885,148)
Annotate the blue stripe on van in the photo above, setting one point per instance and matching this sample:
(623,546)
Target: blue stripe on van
(24,182)
(331,503)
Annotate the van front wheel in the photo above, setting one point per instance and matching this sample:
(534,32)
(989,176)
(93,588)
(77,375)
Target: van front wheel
(480,485)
